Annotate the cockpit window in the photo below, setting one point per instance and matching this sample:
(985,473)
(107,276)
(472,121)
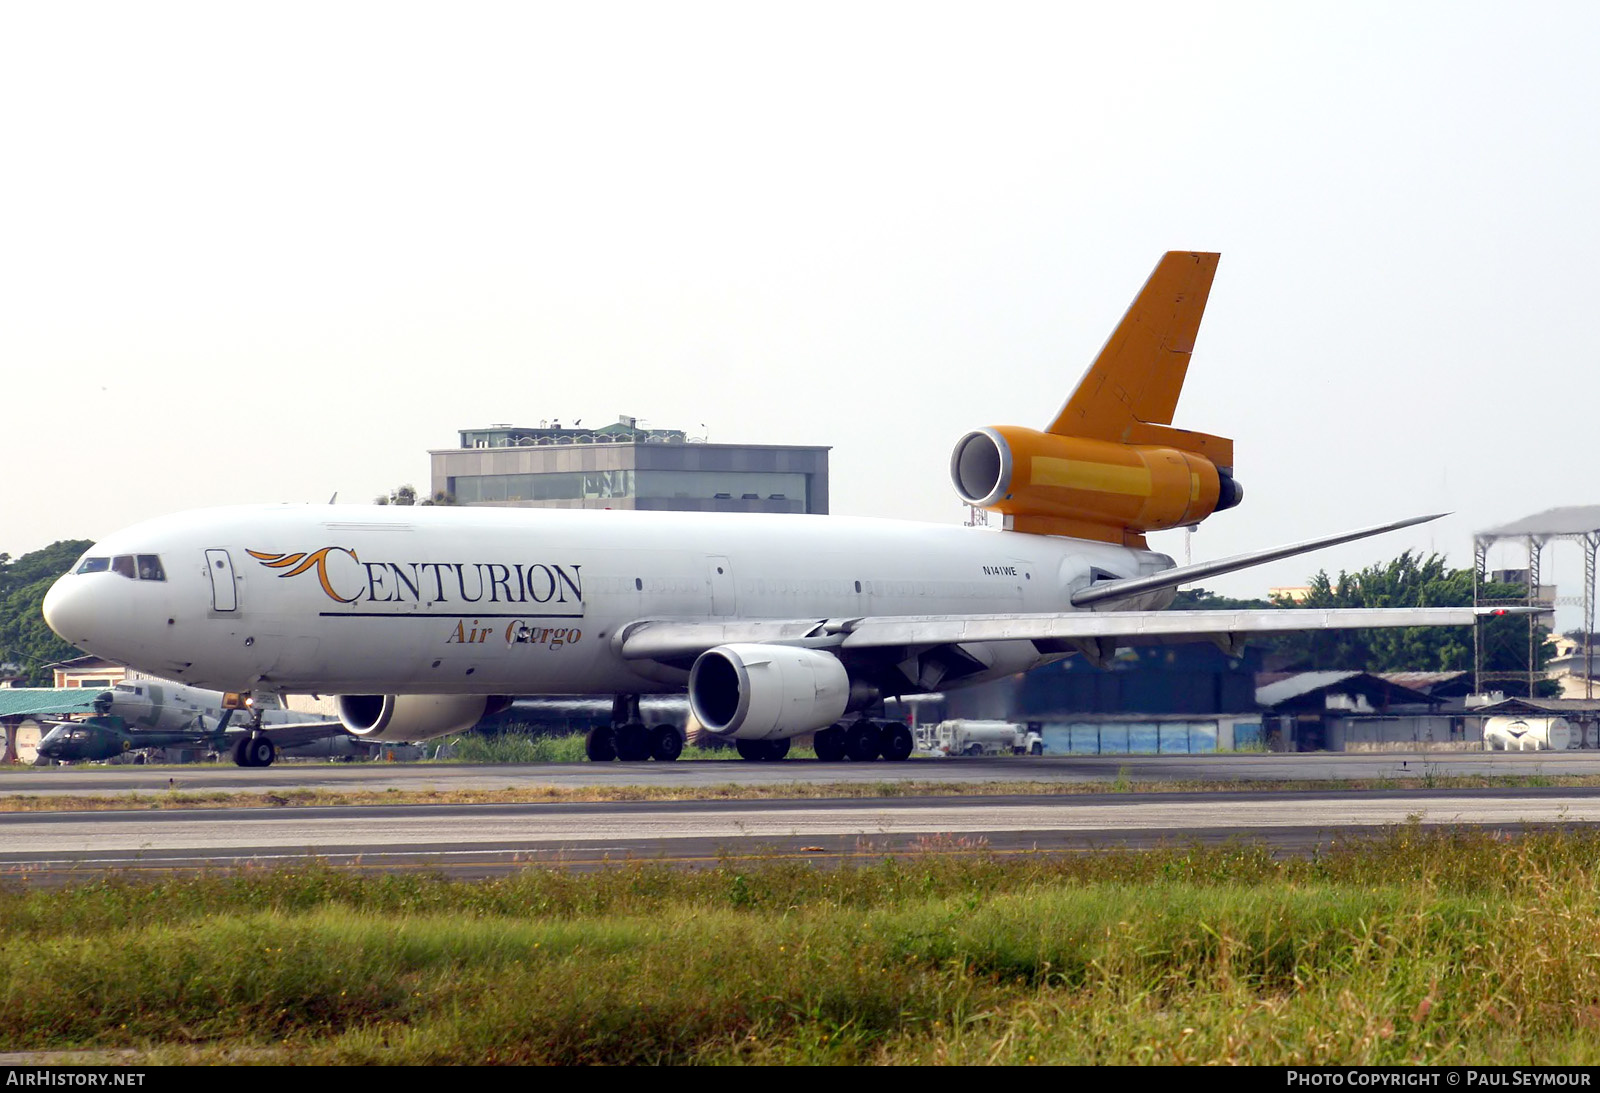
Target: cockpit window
(94,565)
(122,565)
(150,568)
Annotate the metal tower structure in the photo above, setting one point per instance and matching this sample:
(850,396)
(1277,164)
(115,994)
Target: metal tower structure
(1578,524)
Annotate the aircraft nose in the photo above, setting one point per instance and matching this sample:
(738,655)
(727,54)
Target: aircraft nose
(68,610)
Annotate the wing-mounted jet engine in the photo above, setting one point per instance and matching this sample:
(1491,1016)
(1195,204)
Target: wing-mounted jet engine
(1111,467)
(406,719)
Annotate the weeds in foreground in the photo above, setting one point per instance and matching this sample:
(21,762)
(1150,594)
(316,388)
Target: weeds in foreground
(1419,946)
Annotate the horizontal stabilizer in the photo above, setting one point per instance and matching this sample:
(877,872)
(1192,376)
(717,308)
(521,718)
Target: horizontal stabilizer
(1108,591)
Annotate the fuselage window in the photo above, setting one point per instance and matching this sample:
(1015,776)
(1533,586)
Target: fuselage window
(150,568)
(123,564)
(95,565)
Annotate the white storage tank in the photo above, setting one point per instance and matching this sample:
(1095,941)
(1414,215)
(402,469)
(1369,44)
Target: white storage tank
(28,735)
(1526,734)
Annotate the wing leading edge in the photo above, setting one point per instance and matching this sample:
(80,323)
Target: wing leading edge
(667,638)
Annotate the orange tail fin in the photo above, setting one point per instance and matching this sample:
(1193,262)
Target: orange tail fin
(1130,392)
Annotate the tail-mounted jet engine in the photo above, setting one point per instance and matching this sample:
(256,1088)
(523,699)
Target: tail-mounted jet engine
(407,718)
(1089,489)
(771,692)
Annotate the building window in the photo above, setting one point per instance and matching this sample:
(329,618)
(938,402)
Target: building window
(720,485)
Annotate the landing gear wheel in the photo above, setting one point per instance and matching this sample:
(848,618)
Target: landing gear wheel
(665,743)
(762,751)
(633,743)
(240,756)
(861,741)
(895,741)
(261,751)
(601,744)
(829,744)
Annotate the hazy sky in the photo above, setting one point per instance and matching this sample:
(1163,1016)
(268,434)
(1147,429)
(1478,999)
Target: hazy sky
(267,252)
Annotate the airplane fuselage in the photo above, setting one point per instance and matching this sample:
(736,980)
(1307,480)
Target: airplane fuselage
(341,600)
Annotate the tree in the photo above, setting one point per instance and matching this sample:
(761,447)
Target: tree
(1200,599)
(407,495)
(1408,581)
(25,638)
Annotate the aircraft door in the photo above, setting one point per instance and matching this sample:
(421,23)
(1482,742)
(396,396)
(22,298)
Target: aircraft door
(224,596)
(722,589)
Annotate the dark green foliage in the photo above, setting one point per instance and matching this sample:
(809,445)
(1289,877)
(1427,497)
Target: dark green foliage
(1409,580)
(1200,599)
(25,638)
(407,495)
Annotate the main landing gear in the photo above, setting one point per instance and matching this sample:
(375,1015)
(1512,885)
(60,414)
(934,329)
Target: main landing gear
(628,738)
(762,751)
(862,741)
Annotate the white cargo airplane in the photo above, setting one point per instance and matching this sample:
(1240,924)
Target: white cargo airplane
(423,619)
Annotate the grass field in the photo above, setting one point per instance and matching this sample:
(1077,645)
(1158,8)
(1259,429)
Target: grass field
(565,748)
(1417,946)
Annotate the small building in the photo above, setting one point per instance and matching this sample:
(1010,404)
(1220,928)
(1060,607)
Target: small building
(1354,711)
(626,466)
(1153,699)
(88,671)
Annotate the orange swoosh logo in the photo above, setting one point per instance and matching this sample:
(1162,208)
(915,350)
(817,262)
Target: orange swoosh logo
(317,559)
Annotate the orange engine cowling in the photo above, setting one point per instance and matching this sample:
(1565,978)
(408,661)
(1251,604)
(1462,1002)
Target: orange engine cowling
(1090,489)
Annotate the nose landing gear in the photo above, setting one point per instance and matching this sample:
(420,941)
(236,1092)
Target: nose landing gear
(255,748)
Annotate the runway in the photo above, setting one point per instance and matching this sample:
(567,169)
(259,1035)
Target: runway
(490,838)
(346,777)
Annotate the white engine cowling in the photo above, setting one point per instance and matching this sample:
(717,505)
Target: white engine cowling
(405,718)
(767,692)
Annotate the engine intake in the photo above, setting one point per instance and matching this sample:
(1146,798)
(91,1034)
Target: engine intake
(408,718)
(767,692)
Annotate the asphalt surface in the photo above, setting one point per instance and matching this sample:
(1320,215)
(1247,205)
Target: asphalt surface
(1345,766)
(467,840)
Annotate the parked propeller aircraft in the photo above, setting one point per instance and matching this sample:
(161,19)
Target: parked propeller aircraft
(424,619)
(152,713)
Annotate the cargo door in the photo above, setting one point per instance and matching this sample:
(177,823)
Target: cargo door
(224,595)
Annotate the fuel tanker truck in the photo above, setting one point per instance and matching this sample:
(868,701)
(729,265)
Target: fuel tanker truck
(1526,734)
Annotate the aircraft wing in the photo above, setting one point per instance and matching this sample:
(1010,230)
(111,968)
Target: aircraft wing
(295,732)
(1085,631)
